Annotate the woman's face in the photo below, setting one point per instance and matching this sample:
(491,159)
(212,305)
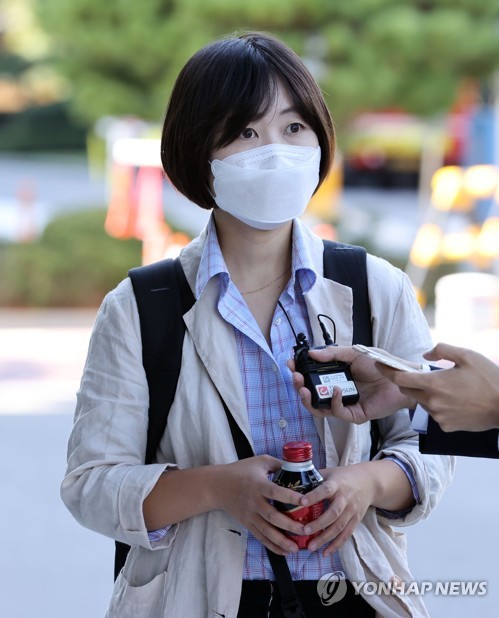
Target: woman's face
(282,124)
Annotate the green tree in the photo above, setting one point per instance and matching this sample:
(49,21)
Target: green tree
(123,56)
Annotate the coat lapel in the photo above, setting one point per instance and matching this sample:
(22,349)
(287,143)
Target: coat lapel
(215,344)
(336,301)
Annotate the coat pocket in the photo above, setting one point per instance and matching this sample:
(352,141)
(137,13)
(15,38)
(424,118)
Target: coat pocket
(138,601)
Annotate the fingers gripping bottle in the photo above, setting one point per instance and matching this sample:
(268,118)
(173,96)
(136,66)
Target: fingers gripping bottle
(299,473)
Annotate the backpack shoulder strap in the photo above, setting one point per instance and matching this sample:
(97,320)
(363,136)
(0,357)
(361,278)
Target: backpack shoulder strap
(346,264)
(163,295)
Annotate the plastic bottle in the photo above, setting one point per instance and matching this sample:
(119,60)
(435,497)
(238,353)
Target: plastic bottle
(299,473)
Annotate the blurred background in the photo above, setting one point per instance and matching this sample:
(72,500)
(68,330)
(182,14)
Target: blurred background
(413,87)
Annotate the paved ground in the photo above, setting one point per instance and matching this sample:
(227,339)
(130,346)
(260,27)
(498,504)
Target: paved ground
(49,565)
(52,567)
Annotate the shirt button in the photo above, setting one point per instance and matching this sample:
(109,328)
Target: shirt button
(275,368)
(282,423)
(278,321)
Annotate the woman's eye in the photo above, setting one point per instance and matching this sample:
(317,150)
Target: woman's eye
(295,127)
(247,133)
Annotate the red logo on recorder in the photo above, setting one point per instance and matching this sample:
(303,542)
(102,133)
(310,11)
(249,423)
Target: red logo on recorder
(323,391)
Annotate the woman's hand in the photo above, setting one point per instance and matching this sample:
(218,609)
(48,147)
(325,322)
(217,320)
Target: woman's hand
(350,491)
(349,495)
(244,491)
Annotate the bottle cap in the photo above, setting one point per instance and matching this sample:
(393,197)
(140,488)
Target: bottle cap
(297,451)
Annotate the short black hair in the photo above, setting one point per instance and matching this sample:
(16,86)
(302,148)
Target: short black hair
(220,90)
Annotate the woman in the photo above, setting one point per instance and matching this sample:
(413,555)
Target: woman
(247,134)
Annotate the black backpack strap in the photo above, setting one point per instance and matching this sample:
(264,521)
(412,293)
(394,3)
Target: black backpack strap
(163,296)
(346,264)
(290,603)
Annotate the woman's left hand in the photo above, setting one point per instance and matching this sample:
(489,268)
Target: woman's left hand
(349,491)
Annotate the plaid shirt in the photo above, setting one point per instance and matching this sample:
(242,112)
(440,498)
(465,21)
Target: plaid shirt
(276,414)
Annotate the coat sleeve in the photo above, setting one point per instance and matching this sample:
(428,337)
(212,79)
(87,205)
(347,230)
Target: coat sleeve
(400,327)
(106,479)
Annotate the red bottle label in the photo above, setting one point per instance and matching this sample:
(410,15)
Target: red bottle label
(299,474)
(304,515)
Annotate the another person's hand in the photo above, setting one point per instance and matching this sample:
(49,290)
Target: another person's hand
(378,396)
(465,397)
(245,494)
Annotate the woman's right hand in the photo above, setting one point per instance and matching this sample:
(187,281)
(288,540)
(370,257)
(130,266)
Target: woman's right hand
(244,492)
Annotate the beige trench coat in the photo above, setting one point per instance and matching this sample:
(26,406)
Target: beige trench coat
(196,569)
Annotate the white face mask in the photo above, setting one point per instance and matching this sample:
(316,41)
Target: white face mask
(267,186)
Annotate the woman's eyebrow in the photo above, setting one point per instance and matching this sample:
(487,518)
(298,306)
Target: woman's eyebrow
(289,110)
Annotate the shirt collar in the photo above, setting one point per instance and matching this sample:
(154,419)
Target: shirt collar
(302,264)
(212,262)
